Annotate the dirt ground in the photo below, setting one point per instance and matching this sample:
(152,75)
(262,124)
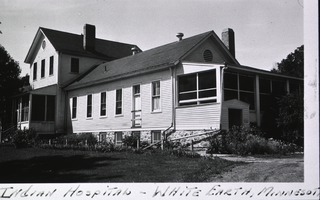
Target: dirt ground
(264,169)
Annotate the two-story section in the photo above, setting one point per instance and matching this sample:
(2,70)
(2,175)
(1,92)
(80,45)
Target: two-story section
(56,58)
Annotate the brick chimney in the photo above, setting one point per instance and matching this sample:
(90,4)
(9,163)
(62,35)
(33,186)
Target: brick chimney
(89,37)
(227,38)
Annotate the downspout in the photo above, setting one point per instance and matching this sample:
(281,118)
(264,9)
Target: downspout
(174,98)
(221,89)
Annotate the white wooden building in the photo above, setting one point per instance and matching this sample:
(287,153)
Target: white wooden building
(113,89)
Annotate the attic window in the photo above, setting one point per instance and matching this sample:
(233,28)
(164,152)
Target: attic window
(207,56)
(43,44)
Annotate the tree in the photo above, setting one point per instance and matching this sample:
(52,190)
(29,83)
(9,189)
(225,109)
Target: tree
(292,65)
(290,118)
(289,108)
(9,82)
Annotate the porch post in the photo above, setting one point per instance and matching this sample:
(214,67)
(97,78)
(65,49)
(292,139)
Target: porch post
(258,101)
(30,106)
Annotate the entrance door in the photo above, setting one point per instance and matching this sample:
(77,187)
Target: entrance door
(235,117)
(136,113)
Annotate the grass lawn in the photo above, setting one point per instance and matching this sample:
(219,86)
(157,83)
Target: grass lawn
(34,165)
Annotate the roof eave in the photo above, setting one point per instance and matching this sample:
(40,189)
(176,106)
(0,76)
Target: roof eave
(147,70)
(32,46)
(261,71)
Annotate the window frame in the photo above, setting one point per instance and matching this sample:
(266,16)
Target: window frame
(51,65)
(35,71)
(74,64)
(74,104)
(153,136)
(116,141)
(155,96)
(43,68)
(89,106)
(119,101)
(103,104)
(241,91)
(198,100)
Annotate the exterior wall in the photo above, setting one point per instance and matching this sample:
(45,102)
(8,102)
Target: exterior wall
(43,127)
(44,53)
(65,73)
(198,117)
(150,120)
(235,104)
(197,55)
(203,116)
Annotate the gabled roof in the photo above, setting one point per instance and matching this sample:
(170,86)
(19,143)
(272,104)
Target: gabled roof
(154,59)
(73,44)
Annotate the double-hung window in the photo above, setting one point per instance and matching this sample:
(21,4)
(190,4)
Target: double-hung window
(89,105)
(43,68)
(74,65)
(119,102)
(74,108)
(197,88)
(35,71)
(103,104)
(156,101)
(51,65)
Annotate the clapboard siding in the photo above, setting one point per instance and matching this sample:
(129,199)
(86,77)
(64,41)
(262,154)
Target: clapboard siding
(111,122)
(198,117)
(234,104)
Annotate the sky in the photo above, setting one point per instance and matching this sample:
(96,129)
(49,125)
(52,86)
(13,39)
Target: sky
(266,31)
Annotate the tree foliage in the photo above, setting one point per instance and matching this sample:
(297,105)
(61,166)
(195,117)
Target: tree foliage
(9,80)
(290,119)
(292,65)
(289,108)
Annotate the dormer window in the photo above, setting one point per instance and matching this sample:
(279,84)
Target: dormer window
(74,65)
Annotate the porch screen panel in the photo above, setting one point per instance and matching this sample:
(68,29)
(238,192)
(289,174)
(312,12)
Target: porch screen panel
(207,86)
(50,108)
(25,109)
(197,88)
(246,86)
(230,83)
(38,108)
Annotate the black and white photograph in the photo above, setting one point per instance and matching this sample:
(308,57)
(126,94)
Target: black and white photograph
(159,99)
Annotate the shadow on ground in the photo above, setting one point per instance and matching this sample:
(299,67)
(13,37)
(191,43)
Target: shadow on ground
(52,169)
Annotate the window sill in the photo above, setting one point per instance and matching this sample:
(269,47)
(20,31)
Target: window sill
(89,118)
(197,105)
(50,75)
(74,73)
(103,117)
(156,111)
(74,119)
(119,115)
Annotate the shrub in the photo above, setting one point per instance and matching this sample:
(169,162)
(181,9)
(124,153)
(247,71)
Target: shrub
(24,138)
(248,141)
(131,141)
